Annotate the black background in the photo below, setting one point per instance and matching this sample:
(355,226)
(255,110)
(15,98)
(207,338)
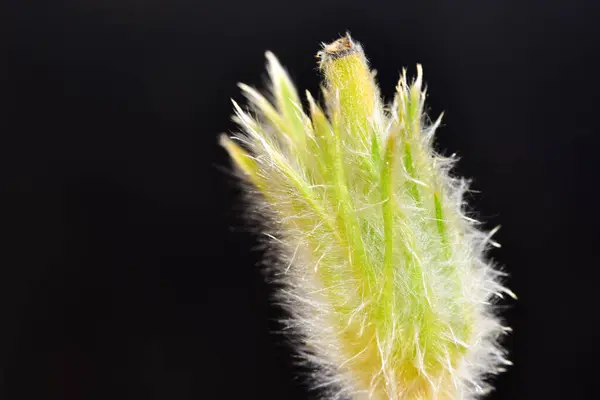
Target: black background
(125,271)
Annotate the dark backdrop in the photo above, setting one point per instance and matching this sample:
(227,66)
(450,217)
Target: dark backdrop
(124,272)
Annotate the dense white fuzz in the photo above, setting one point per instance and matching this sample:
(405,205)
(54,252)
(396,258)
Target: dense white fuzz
(384,275)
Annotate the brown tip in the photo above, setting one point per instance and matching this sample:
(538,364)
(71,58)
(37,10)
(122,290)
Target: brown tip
(342,47)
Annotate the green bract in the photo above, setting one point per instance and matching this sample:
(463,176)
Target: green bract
(384,275)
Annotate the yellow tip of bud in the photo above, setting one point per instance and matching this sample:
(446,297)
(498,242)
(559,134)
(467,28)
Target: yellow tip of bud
(350,83)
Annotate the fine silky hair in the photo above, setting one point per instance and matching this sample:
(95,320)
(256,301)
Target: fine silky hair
(383,273)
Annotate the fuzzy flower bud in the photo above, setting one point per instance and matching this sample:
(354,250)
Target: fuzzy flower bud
(384,275)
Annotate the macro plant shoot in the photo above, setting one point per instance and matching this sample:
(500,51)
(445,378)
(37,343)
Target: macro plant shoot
(385,276)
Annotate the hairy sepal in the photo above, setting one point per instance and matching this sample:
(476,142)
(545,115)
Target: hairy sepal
(385,278)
